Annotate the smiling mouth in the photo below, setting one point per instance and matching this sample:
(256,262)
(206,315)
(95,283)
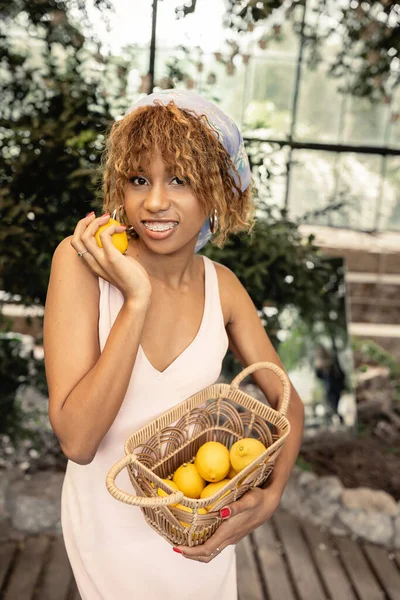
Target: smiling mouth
(160,225)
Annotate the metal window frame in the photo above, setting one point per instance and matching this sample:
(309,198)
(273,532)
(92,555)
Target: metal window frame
(290,141)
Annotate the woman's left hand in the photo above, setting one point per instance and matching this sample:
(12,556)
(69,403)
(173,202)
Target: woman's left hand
(243,516)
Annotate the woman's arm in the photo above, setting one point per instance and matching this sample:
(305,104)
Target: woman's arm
(250,344)
(86,386)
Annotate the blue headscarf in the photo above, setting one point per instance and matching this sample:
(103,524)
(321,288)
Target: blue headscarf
(226,131)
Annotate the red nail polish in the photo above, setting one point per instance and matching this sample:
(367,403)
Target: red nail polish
(177,550)
(225,513)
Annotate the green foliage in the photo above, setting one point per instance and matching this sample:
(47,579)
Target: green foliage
(295,349)
(280,269)
(15,370)
(302,464)
(370,32)
(52,123)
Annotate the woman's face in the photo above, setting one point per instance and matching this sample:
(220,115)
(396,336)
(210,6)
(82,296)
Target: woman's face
(162,208)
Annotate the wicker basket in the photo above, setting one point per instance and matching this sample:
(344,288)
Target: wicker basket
(220,412)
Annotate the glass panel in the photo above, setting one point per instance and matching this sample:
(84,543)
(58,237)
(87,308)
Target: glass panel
(313,178)
(268,112)
(202,28)
(394,130)
(320,104)
(350,182)
(121,27)
(359,188)
(390,206)
(365,123)
(269,165)
(191,69)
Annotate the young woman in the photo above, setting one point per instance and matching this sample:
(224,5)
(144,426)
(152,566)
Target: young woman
(128,336)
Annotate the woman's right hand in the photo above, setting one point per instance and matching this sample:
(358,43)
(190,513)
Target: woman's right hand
(123,271)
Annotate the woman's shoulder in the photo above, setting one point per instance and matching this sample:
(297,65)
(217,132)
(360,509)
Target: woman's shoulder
(229,286)
(226,277)
(66,264)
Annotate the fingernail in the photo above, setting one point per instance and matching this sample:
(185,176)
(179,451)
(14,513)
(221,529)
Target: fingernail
(177,550)
(105,214)
(90,214)
(225,513)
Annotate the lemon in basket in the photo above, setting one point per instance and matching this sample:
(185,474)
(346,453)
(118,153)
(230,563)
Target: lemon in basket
(188,480)
(161,492)
(212,461)
(212,488)
(201,511)
(244,451)
(231,473)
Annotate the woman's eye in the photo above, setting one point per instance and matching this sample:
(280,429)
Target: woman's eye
(178,181)
(138,181)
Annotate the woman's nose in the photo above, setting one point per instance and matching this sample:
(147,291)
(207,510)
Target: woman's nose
(157,198)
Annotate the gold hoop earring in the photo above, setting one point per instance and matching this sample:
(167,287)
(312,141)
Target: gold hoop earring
(117,213)
(213,222)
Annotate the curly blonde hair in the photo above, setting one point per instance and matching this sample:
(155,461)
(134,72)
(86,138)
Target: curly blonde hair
(188,145)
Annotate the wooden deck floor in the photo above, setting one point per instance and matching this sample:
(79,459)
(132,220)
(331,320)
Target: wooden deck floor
(283,560)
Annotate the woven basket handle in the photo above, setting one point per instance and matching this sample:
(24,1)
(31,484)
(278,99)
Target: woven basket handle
(284,399)
(136,500)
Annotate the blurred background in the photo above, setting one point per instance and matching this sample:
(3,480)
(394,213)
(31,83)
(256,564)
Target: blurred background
(314,87)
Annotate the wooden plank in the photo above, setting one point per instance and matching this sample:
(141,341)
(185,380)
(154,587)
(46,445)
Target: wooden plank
(7,553)
(385,570)
(58,574)
(27,569)
(273,567)
(249,584)
(328,564)
(304,573)
(358,570)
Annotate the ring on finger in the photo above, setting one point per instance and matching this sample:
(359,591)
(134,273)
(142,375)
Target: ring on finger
(80,254)
(216,551)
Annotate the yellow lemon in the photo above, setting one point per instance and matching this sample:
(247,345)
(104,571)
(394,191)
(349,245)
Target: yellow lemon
(231,473)
(188,480)
(120,240)
(244,451)
(212,461)
(211,489)
(201,511)
(161,492)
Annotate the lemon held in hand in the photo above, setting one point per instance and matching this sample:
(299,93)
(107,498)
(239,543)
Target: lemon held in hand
(212,461)
(119,240)
(188,480)
(244,451)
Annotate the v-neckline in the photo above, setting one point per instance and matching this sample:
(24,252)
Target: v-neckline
(179,357)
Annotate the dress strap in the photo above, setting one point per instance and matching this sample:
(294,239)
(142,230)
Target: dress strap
(215,316)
